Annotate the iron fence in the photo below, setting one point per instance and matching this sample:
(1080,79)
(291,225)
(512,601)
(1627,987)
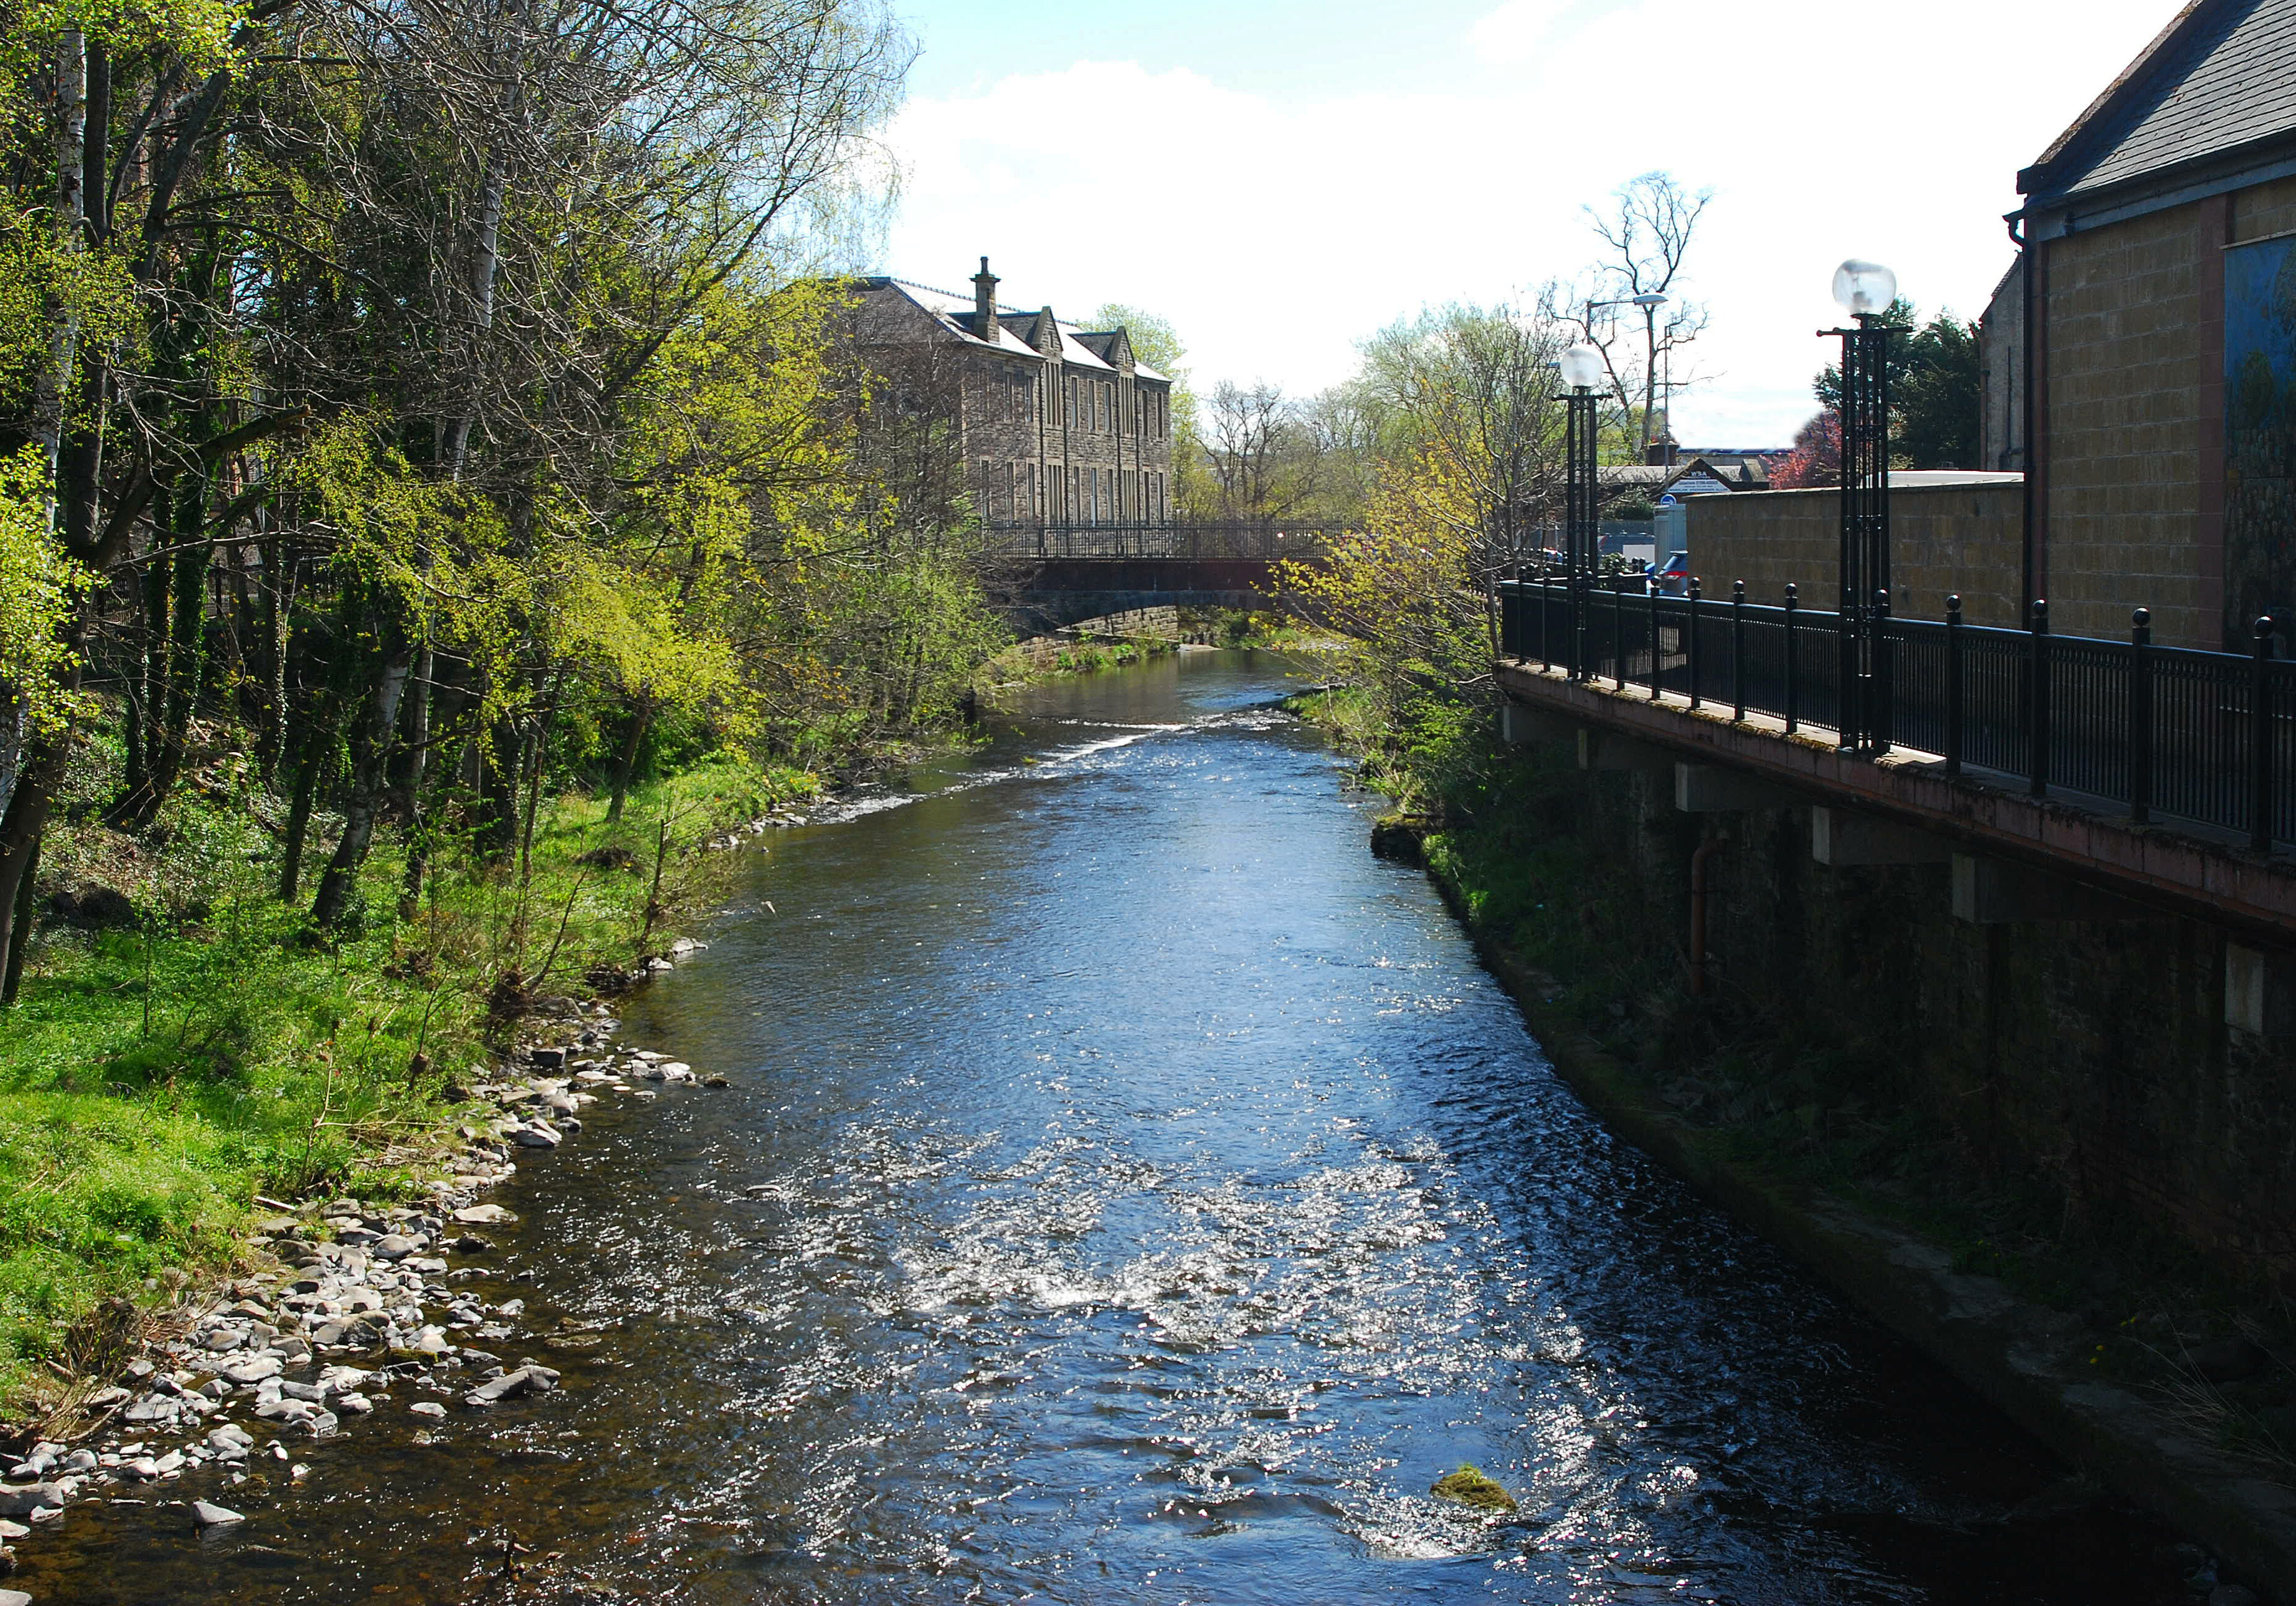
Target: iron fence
(1045,542)
(2209,737)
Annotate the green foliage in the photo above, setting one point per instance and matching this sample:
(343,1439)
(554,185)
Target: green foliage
(160,1076)
(1936,390)
(38,585)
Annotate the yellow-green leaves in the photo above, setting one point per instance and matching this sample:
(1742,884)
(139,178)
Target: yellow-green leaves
(36,586)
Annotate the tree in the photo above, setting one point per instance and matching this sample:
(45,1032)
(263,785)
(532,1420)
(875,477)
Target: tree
(1263,454)
(1936,389)
(1154,339)
(1815,459)
(1940,402)
(1647,235)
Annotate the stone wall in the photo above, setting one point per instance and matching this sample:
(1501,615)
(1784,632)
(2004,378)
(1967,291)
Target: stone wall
(2093,1061)
(2126,373)
(1943,539)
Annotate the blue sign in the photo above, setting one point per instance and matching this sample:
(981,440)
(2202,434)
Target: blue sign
(1670,500)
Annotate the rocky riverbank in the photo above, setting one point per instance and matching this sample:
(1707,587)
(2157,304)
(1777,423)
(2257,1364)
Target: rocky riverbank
(343,1308)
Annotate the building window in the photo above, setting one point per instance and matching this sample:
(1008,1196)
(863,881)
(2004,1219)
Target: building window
(1071,403)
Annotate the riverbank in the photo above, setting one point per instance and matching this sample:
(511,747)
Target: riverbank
(184,1049)
(2126,1358)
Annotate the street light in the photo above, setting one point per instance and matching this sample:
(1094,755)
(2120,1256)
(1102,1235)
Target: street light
(1583,369)
(1866,291)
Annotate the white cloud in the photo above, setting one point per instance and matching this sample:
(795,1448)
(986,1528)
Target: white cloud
(1275,234)
(1514,31)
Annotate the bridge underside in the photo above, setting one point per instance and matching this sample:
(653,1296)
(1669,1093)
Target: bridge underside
(1040,613)
(1058,592)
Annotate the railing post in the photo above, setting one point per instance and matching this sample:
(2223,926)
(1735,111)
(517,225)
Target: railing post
(1738,649)
(1882,689)
(1650,613)
(1697,590)
(2140,715)
(1618,635)
(2260,740)
(2037,700)
(1952,697)
(1793,665)
(1545,647)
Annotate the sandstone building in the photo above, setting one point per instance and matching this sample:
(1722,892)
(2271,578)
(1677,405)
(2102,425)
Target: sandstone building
(1058,426)
(2141,359)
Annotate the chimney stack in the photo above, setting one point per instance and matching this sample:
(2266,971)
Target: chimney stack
(984,302)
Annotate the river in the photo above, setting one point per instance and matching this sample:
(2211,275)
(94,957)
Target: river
(1131,1190)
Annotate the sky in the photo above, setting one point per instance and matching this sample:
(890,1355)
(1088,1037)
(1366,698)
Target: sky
(1282,179)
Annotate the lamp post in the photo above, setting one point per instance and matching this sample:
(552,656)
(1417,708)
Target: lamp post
(1865,291)
(1583,370)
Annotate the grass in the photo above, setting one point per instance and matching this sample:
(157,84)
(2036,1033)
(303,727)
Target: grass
(161,1076)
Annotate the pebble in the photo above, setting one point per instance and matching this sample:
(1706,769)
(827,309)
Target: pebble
(363,1275)
(15,1597)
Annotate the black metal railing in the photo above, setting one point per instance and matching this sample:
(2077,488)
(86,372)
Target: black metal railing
(2209,737)
(1211,540)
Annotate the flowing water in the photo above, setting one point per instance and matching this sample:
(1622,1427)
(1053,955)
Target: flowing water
(1131,1190)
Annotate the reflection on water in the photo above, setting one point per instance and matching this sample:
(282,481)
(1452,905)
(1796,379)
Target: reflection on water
(1130,1191)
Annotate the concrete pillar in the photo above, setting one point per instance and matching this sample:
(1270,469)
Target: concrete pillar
(1710,789)
(2258,996)
(1842,838)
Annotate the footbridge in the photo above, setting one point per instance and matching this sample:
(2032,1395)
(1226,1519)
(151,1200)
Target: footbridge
(1044,578)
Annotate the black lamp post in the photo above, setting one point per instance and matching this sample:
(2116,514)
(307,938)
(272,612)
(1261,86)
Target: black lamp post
(1865,291)
(1582,370)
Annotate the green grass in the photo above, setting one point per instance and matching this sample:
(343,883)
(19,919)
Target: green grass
(156,1079)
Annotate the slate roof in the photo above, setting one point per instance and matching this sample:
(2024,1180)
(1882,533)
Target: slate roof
(954,313)
(2221,76)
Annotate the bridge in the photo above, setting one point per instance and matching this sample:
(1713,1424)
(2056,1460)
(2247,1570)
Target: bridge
(2061,766)
(1044,578)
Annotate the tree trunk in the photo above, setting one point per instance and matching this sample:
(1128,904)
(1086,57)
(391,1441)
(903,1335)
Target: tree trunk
(370,778)
(21,930)
(418,752)
(640,721)
(316,743)
(20,833)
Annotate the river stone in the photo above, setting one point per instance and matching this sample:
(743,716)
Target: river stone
(508,1386)
(549,1059)
(1470,1486)
(207,1515)
(538,1134)
(253,1369)
(427,1407)
(395,1246)
(15,1597)
(25,1498)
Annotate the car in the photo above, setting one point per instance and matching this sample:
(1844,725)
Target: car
(1672,578)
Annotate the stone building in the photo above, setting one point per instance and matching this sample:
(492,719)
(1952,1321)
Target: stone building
(1058,426)
(2141,359)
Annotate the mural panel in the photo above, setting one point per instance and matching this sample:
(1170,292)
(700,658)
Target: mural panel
(2260,438)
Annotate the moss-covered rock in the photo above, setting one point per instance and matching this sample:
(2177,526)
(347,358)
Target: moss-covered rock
(1469,1486)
